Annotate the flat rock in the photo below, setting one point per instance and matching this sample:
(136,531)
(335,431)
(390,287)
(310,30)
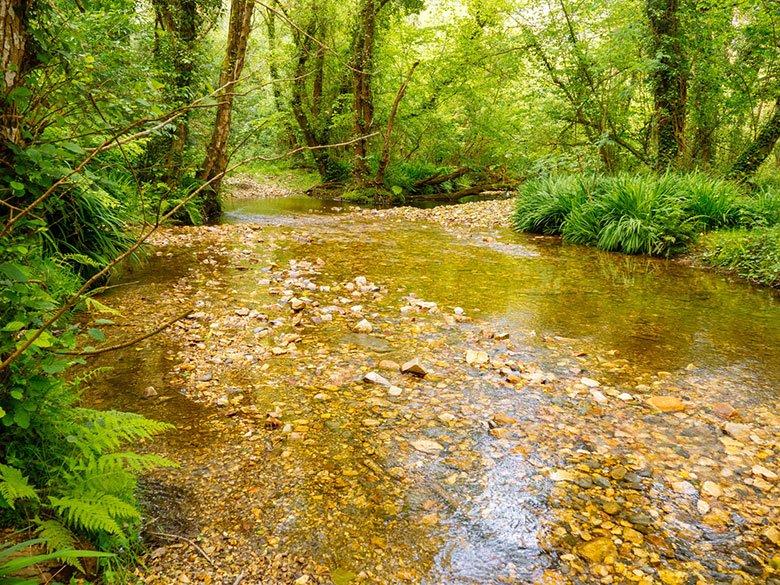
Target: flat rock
(414,367)
(738,431)
(725,410)
(363,326)
(712,489)
(427,446)
(389,366)
(666,403)
(502,420)
(374,378)
(476,358)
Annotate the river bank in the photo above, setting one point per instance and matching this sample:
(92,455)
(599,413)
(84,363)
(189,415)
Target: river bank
(558,435)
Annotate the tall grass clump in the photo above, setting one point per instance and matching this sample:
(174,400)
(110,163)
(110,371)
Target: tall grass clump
(634,215)
(544,204)
(713,203)
(762,209)
(638,214)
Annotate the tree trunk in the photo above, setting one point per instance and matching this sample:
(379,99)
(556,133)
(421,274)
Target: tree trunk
(384,159)
(307,125)
(362,66)
(179,19)
(289,140)
(215,162)
(17,57)
(669,80)
(758,150)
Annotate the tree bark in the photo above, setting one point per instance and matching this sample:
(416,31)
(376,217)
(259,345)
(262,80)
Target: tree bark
(757,151)
(17,58)
(180,20)
(362,70)
(669,80)
(216,159)
(308,125)
(384,159)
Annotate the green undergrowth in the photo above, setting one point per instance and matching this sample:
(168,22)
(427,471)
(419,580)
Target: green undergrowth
(67,472)
(639,214)
(752,254)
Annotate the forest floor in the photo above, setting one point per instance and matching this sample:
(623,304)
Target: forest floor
(502,455)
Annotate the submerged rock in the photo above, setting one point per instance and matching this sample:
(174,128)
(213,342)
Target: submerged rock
(666,403)
(598,549)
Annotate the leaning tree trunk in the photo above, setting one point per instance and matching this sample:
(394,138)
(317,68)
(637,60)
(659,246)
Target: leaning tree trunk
(216,160)
(17,57)
(758,150)
(669,80)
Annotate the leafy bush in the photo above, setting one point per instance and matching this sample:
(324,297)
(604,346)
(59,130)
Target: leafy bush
(753,254)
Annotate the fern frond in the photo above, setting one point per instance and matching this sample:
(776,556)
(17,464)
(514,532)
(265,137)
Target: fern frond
(90,375)
(106,430)
(57,539)
(94,512)
(14,486)
(134,462)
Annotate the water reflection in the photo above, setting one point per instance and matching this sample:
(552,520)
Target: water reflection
(657,314)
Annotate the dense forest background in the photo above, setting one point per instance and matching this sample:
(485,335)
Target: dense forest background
(117,116)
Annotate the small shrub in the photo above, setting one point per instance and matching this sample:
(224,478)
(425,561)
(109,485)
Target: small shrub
(752,254)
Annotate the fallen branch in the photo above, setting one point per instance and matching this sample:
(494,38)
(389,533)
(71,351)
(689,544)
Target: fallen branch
(438,178)
(188,541)
(130,343)
(476,190)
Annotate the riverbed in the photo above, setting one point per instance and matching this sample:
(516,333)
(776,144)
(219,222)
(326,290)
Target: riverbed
(575,416)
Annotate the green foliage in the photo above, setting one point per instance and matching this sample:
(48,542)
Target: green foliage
(633,214)
(543,204)
(710,201)
(752,254)
(61,462)
(14,486)
(761,209)
(12,559)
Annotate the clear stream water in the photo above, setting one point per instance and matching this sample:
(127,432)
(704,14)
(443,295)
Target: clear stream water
(657,315)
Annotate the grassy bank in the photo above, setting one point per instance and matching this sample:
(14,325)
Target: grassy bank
(752,254)
(659,216)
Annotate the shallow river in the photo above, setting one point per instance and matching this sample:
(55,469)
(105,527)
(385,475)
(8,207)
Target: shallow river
(513,466)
